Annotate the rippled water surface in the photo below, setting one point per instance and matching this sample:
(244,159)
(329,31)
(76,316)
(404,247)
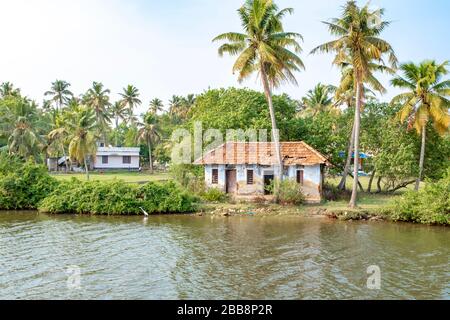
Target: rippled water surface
(185,257)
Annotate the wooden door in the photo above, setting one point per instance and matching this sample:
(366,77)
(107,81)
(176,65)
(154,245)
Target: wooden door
(231,181)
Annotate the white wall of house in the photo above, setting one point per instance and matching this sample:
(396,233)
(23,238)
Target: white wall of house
(311,187)
(116,162)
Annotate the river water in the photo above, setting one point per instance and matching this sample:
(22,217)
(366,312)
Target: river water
(186,257)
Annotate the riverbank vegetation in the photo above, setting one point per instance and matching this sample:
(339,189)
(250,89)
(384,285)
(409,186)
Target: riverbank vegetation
(406,140)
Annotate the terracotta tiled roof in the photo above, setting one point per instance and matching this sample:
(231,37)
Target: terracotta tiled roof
(293,153)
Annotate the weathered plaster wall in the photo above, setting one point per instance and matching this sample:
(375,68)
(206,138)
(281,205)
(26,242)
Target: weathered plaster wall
(221,181)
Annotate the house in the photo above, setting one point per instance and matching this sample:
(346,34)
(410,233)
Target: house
(108,158)
(246,169)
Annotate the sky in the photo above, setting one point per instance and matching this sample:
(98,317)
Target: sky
(165,48)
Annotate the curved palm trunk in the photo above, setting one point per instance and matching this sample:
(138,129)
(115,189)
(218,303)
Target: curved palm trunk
(357,126)
(86,168)
(422,157)
(348,162)
(117,136)
(275,134)
(150,155)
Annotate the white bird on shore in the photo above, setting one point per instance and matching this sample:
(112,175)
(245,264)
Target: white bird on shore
(145,213)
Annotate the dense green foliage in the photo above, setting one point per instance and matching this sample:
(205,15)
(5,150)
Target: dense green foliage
(23,186)
(430,205)
(117,198)
(214,195)
(287,192)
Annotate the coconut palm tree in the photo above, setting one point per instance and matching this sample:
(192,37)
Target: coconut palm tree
(319,100)
(130,99)
(265,48)
(427,98)
(176,105)
(59,93)
(358,42)
(59,135)
(82,138)
(156,105)
(97,98)
(7,90)
(118,112)
(149,133)
(19,124)
(345,95)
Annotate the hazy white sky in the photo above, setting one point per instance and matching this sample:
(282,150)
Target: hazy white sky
(164,47)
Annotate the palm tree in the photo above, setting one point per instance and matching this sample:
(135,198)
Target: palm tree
(82,139)
(60,93)
(264,47)
(319,100)
(59,135)
(149,133)
(156,105)
(427,98)
(130,99)
(7,90)
(118,112)
(19,124)
(176,106)
(97,98)
(345,95)
(358,42)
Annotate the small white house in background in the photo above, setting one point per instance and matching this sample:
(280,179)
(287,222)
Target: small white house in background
(246,169)
(110,158)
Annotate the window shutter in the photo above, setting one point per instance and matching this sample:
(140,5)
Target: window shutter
(250,177)
(215,176)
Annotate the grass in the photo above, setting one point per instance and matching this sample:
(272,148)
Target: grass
(365,183)
(129,177)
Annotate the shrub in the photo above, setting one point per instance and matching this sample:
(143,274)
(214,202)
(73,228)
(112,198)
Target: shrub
(332,193)
(117,198)
(24,185)
(289,192)
(431,205)
(214,195)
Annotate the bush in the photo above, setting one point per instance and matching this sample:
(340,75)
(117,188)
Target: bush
(332,193)
(431,205)
(23,185)
(214,195)
(288,192)
(117,198)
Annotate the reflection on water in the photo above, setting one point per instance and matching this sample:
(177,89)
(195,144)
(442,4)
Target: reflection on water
(185,257)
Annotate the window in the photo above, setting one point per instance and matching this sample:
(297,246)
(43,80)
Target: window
(300,176)
(215,176)
(126,160)
(250,177)
(105,159)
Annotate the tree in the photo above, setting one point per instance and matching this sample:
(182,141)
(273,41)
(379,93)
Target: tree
(97,98)
(130,99)
(59,93)
(118,112)
(319,100)
(264,47)
(176,106)
(427,98)
(59,135)
(7,90)
(358,42)
(82,139)
(20,125)
(156,105)
(149,133)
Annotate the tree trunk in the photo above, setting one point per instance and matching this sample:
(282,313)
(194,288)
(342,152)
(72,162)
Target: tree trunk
(275,134)
(353,200)
(65,158)
(117,137)
(86,168)
(348,163)
(369,188)
(150,155)
(422,158)
(379,189)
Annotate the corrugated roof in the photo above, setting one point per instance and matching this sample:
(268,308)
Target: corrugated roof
(263,153)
